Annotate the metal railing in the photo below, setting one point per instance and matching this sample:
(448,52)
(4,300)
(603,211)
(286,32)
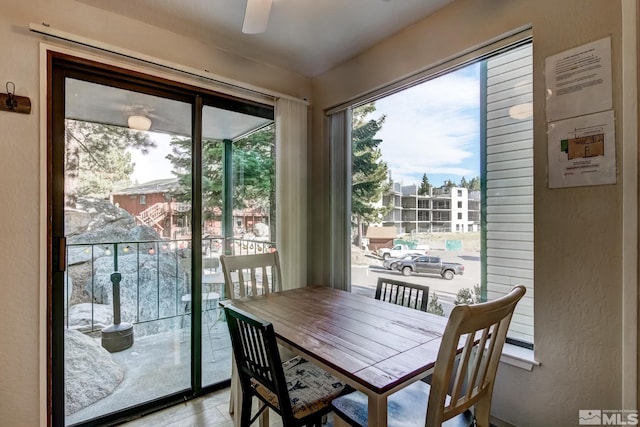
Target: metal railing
(156,274)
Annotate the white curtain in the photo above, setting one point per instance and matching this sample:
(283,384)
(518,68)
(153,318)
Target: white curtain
(339,131)
(291,191)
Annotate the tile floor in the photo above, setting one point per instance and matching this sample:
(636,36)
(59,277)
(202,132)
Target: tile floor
(211,410)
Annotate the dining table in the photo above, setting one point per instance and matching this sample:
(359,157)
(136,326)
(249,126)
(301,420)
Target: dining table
(374,346)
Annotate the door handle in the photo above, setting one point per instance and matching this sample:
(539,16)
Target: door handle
(62,254)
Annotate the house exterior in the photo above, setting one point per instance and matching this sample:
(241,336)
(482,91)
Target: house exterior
(380,237)
(154,204)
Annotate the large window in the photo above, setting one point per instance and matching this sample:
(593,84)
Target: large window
(456,150)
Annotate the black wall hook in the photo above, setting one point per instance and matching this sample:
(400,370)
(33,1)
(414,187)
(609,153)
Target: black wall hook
(11,102)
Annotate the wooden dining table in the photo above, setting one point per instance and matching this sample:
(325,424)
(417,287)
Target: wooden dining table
(374,346)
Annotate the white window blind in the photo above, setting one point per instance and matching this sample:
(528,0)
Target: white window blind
(509,182)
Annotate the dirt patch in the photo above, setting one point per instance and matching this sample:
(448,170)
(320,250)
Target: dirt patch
(359,256)
(438,241)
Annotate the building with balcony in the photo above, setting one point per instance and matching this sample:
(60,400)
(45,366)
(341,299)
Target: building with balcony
(444,209)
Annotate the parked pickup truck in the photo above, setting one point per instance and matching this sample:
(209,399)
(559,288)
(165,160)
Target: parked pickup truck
(431,265)
(399,251)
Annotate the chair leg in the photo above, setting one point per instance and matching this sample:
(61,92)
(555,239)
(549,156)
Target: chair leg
(263,421)
(235,398)
(482,412)
(245,412)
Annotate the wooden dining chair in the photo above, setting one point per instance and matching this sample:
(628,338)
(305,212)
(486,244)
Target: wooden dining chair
(455,387)
(246,275)
(402,293)
(253,274)
(299,391)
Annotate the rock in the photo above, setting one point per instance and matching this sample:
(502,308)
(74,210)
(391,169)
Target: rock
(90,372)
(96,220)
(81,316)
(92,229)
(151,287)
(261,230)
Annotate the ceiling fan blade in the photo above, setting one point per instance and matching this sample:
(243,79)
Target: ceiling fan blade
(256,16)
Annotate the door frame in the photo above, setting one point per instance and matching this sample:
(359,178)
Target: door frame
(60,65)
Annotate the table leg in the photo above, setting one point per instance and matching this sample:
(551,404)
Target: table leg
(377,410)
(339,422)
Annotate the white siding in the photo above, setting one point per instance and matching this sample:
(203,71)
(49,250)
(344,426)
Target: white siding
(509,195)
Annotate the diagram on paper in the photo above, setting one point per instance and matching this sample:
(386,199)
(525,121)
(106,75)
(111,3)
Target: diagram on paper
(582,151)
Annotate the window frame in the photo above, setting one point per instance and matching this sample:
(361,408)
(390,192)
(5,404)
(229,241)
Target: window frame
(340,150)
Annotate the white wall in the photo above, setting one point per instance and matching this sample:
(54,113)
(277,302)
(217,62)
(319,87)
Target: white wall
(22,169)
(578,231)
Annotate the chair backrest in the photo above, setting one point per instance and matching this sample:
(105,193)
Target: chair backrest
(254,274)
(402,293)
(256,354)
(469,382)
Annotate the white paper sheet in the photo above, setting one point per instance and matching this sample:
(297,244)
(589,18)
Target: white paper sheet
(579,81)
(582,151)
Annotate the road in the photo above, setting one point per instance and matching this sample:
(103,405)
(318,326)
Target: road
(367,276)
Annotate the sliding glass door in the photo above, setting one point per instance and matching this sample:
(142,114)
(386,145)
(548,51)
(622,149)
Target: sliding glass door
(147,188)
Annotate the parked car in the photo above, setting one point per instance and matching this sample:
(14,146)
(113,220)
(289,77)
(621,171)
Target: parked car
(430,265)
(398,251)
(390,263)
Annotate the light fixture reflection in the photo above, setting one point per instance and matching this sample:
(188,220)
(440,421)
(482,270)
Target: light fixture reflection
(521,111)
(139,123)
(256,16)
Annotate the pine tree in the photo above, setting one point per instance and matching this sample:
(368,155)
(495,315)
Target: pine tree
(253,164)
(369,172)
(464,183)
(96,161)
(474,184)
(425,187)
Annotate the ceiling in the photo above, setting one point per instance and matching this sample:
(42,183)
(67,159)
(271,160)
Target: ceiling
(92,102)
(308,37)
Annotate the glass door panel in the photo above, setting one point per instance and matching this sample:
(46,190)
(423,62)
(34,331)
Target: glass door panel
(237,197)
(128,280)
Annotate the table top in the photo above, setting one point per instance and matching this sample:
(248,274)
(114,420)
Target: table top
(375,344)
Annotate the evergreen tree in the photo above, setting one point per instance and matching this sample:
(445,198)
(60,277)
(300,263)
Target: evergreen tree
(369,172)
(96,161)
(474,184)
(464,183)
(253,164)
(100,176)
(425,187)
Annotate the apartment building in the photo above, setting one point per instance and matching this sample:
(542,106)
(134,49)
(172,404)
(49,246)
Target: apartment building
(444,209)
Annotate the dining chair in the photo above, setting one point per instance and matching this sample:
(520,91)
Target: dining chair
(402,293)
(455,388)
(299,391)
(253,274)
(245,275)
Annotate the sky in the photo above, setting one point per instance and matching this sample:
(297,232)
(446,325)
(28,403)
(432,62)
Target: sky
(433,127)
(153,165)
